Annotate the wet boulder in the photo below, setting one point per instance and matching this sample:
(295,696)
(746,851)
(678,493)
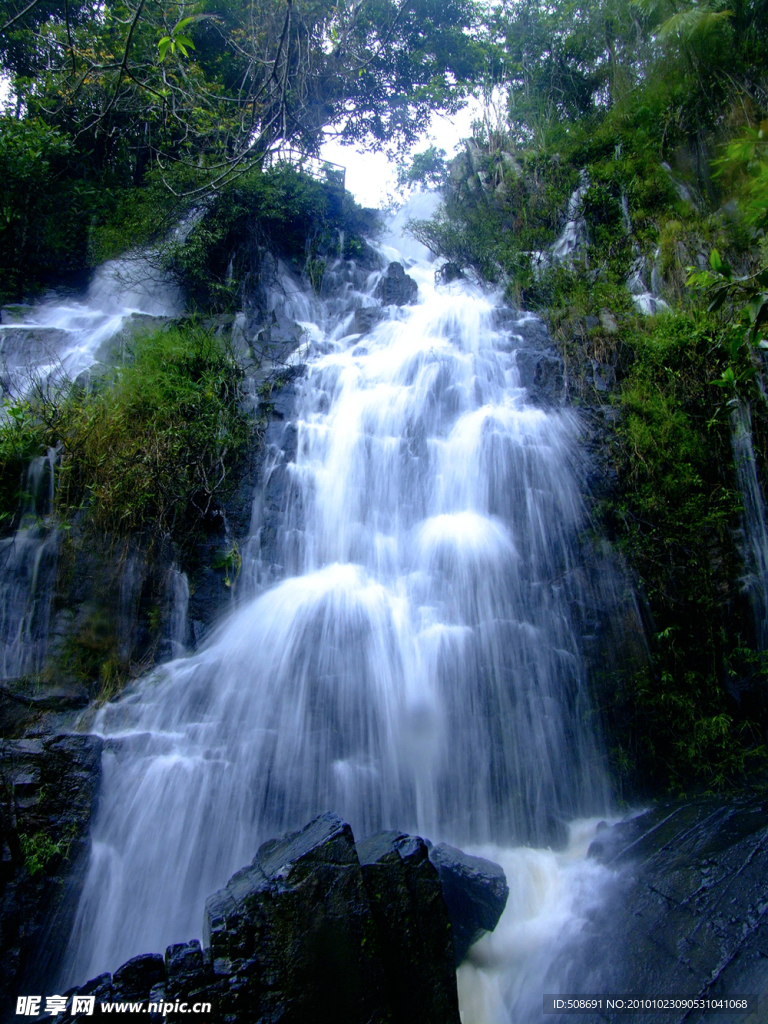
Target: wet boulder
(396,288)
(413,926)
(685,910)
(475,891)
(366,318)
(294,936)
(318,929)
(138,977)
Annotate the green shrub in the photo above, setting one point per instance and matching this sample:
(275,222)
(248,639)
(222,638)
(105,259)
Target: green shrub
(696,716)
(40,852)
(151,448)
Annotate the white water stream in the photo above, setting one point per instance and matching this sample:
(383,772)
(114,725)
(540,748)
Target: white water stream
(66,336)
(418,667)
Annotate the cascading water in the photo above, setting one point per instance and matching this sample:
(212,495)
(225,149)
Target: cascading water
(27,567)
(66,336)
(419,664)
(45,346)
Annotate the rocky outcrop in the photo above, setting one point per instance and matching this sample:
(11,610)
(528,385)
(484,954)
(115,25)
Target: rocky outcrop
(540,368)
(475,891)
(396,288)
(48,792)
(366,318)
(413,925)
(318,929)
(688,910)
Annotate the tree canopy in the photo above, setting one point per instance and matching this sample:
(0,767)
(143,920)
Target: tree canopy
(218,83)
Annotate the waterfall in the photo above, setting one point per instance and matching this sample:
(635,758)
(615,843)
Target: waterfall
(574,233)
(66,336)
(753,518)
(416,661)
(46,344)
(27,570)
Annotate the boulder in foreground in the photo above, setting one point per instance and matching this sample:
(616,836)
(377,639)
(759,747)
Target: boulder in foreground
(319,930)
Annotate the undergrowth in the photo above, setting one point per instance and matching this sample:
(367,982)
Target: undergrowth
(148,449)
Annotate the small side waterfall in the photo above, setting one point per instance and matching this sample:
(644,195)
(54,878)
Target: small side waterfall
(574,233)
(418,666)
(54,341)
(66,336)
(753,518)
(27,570)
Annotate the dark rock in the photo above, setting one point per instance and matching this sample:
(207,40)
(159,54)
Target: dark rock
(413,925)
(294,936)
(283,401)
(49,787)
(603,376)
(367,317)
(187,975)
(319,930)
(395,287)
(532,330)
(22,702)
(475,892)
(542,373)
(136,978)
(101,990)
(688,909)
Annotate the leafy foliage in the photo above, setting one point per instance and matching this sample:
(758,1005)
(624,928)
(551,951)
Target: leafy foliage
(289,213)
(150,450)
(40,852)
(698,712)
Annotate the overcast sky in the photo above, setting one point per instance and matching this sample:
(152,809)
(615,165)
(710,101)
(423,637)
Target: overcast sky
(372,179)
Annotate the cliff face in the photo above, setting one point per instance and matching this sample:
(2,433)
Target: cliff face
(49,788)
(686,914)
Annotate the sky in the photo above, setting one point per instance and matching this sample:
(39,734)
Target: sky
(372,179)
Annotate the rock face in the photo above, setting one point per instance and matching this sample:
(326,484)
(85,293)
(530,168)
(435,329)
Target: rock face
(539,366)
(293,934)
(366,318)
(475,891)
(318,930)
(688,914)
(395,287)
(413,924)
(48,791)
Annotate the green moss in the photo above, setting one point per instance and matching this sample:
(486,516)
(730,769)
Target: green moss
(695,718)
(151,450)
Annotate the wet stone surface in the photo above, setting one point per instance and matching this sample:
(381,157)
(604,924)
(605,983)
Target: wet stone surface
(320,929)
(688,910)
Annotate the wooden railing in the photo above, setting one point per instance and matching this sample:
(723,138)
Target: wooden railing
(328,173)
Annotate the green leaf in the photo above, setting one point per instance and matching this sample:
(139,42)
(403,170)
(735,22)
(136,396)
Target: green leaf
(162,46)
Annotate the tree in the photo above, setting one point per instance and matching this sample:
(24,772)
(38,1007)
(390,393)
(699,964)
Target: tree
(217,84)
